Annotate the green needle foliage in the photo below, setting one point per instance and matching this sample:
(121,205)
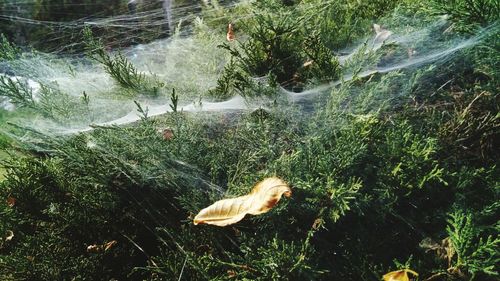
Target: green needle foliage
(469,14)
(8,51)
(121,69)
(18,92)
(474,255)
(280,47)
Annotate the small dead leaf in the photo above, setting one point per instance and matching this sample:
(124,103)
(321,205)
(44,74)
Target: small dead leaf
(109,245)
(411,52)
(260,200)
(100,248)
(11,201)
(317,223)
(30,258)
(428,244)
(448,249)
(308,63)
(443,251)
(230,33)
(381,33)
(168,134)
(231,273)
(94,248)
(456,271)
(9,236)
(399,275)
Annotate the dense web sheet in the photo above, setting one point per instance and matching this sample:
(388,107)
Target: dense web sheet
(191,64)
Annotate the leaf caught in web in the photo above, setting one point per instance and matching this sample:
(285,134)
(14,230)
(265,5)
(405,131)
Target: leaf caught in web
(399,275)
(260,200)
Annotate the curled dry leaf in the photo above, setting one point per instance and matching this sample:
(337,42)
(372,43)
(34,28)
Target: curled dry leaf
(100,248)
(447,251)
(260,200)
(381,34)
(168,134)
(10,235)
(231,273)
(443,251)
(308,63)
(93,248)
(11,201)
(399,275)
(230,33)
(318,223)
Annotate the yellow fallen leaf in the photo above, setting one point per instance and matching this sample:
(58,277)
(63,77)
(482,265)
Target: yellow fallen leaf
(399,275)
(260,200)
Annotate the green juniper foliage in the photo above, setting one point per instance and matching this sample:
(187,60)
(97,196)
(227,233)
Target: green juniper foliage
(121,69)
(8,51)
(49,100)
(279,46)
(19,92)
(472,254)
(388,171)
(469,13)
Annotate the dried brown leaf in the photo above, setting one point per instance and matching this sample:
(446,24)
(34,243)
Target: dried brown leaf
(168,134)
(260,200)
(449,250)
(230,33)
(231,273)
(11,201)
(443,251)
